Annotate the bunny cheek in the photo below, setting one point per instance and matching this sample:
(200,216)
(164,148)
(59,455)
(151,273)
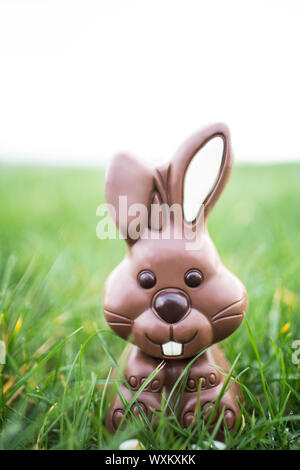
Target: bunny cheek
(229,319)
(119,324)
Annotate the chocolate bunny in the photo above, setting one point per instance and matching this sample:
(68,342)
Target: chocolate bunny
(170,301)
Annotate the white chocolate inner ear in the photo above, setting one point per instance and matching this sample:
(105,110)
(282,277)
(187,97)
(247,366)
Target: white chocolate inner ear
(201,177)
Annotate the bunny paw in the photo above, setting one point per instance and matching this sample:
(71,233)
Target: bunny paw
(206,381)
(136,382)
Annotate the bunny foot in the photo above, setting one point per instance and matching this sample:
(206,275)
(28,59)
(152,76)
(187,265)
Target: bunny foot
(190,407)
(144,405)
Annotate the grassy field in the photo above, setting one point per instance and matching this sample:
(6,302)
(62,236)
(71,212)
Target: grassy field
(53,392)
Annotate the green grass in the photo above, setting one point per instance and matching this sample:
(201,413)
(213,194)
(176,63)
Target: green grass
(53,387)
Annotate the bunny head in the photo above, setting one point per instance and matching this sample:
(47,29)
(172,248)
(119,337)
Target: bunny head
(170,296)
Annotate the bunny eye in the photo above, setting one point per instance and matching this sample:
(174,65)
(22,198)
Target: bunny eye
(146,279)
(193,278)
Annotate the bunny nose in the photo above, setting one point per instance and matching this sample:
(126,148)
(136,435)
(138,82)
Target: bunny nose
(171,306)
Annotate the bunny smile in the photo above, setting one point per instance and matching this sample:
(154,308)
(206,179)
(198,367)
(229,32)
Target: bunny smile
(171,347)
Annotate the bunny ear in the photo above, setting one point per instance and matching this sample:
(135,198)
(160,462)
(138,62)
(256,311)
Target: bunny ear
(183,182)
(128,189)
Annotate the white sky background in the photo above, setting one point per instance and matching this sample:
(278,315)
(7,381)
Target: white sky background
(81,80)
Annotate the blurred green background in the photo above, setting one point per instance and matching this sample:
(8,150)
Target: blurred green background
(52,270)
